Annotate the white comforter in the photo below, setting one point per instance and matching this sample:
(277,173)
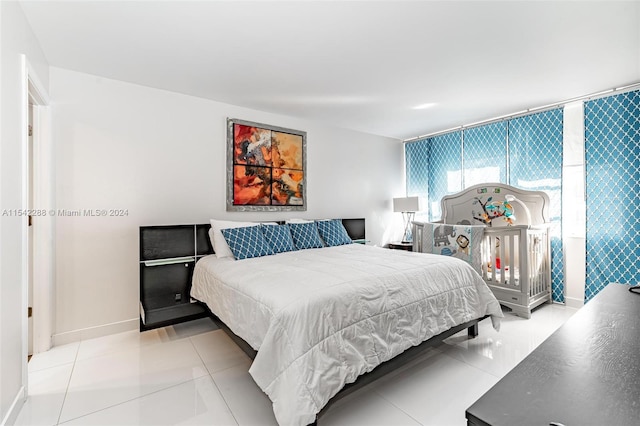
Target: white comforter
(322,317)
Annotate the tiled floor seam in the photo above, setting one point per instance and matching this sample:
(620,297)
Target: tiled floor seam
(214,381)
(66,390)
(396,407)
(126,401)
(474,366)
(225,400)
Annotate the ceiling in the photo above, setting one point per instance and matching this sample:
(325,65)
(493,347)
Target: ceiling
(362,65)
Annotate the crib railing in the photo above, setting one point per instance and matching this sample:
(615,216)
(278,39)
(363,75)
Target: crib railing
(516,258)
(501,252)
(515,263)
(540,261)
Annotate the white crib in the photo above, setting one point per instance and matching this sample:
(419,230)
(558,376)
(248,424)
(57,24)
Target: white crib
(515,258)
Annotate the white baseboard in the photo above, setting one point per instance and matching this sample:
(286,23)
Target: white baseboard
(573,302)
(12,415)
(97,331)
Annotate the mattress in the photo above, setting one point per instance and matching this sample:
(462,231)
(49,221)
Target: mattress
(319,318)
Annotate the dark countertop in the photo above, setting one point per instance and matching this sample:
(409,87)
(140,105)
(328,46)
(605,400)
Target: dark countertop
(586,373)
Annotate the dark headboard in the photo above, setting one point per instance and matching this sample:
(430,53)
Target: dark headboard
(355,228)
(174,241)
(167,242)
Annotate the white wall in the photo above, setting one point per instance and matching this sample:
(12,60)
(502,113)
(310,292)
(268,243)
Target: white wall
(16,38)
(162,156)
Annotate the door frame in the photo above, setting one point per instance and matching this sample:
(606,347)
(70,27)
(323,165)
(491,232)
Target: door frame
(43,200)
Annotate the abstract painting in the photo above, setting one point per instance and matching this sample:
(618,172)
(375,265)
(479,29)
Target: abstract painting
(265,167)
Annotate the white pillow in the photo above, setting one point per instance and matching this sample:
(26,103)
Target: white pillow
(211,239)
(220,246)
(295,220)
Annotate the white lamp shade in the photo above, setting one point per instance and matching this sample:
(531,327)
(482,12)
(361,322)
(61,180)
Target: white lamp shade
(409,204)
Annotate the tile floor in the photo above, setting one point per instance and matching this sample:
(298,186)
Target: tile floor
(193,373)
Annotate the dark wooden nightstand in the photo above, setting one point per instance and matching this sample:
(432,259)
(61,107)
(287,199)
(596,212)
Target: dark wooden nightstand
(168,255)
(401,246)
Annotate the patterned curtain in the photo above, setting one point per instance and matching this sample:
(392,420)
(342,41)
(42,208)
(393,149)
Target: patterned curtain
(535,163)
(444,170)
(612,164)
(485,154)
(416,155)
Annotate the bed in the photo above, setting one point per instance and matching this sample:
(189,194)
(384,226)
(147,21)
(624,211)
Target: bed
(316,320)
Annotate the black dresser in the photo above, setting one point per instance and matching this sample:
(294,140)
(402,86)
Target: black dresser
(586,373)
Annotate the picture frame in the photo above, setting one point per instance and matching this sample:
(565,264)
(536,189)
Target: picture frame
(266,167)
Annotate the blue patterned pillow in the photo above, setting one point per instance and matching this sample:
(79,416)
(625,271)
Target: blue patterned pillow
(333,232)
(305,235)
(278,237)
(247,242)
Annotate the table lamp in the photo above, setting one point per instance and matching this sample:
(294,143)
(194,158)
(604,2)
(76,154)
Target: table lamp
(408,206)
